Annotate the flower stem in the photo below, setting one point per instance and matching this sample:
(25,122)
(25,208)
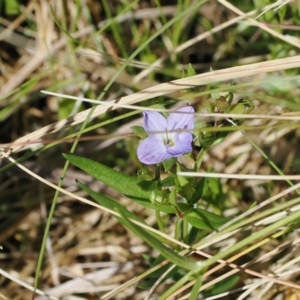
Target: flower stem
(159,222)
(157,172)
(185,230)
(178,229)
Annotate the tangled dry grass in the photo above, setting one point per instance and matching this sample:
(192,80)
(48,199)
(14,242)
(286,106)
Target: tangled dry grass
(54,45)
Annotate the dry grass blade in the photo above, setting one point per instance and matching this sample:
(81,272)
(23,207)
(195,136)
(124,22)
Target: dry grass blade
(197,39)
(163,89)
(222,262)
(264,27)
(243,268)
(40,57)
(89,254)
(240,176)
(91,203)
(26,285)
(90,283)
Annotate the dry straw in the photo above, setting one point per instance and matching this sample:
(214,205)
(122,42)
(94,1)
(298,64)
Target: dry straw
(156,91)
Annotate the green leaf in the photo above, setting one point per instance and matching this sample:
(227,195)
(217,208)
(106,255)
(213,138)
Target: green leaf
(65,108)
(210,107)
(150,185)
(115,206)
(222,286)
(222,104)
(190,70)
(160,197)
(184,207)
(187,191)
(181,207)
(150,280)
(243,106)
(201,188)
(144,174)
(184,185)
(212,139)
(203,219)
(214,96)
(109,203)
(125,184)
(215,193)
(168,181)
(282,13)
(12,7)
(139,131)
(252,205)
(168,253)
(169,163)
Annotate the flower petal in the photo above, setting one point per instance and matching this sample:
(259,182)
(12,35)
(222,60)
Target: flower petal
(182,144)
(182,120)
(155,122)
(152,151)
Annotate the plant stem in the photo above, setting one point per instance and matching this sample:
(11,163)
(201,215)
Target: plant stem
(178,229)
(159,222)
(157,172)
(200,157)
(185,231)
(196,288)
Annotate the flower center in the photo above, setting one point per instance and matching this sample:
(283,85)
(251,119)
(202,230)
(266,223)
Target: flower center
(168,139)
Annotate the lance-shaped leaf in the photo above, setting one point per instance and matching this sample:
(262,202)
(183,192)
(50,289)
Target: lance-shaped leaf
(168,253)
(125,184)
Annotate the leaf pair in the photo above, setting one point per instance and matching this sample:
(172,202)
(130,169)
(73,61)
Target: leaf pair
(128,186)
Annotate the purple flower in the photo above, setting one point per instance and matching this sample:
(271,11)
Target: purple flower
(167,138)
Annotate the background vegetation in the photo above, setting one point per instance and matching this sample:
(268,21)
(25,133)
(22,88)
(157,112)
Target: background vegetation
(109,49)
